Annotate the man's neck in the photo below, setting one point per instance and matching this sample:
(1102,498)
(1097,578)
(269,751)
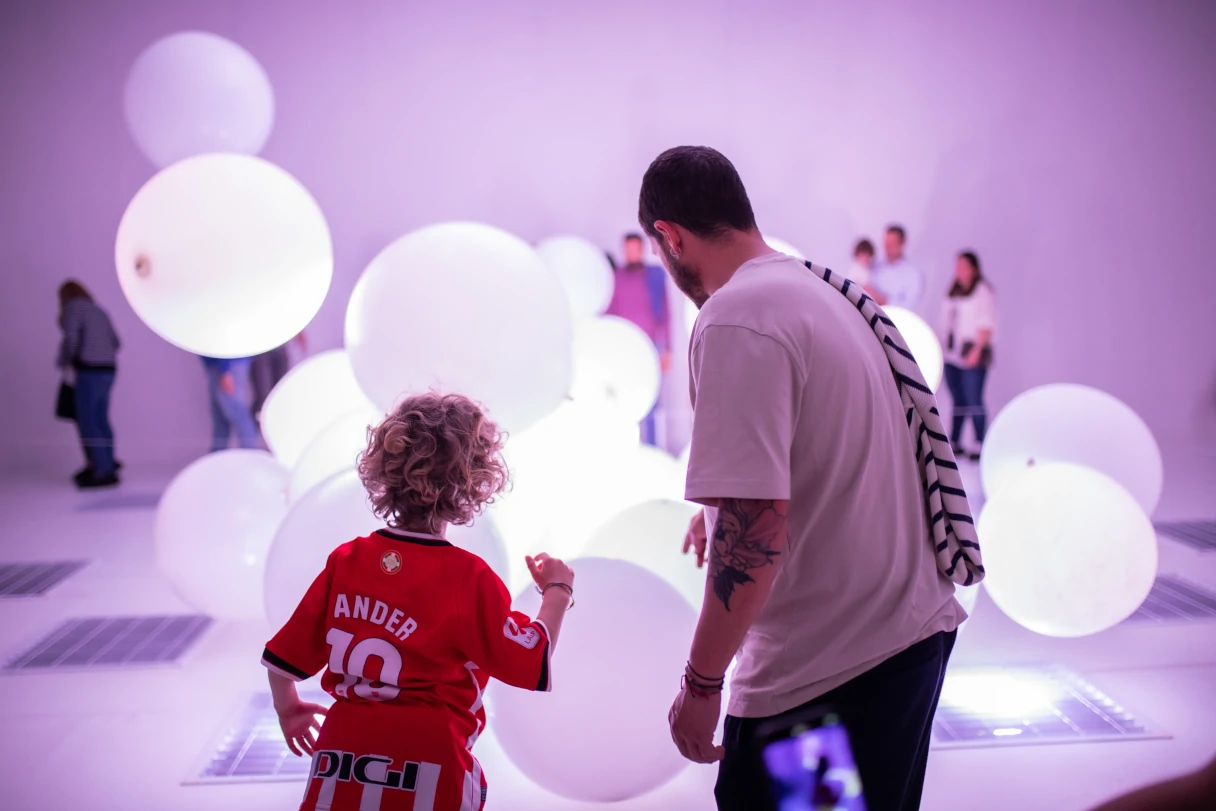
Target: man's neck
(739,249)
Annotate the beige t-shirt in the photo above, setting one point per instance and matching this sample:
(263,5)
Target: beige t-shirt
(793,398)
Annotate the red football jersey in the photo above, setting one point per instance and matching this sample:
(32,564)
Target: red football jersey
(414,627)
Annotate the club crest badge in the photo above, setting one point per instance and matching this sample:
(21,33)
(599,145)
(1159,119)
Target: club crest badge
(390,562)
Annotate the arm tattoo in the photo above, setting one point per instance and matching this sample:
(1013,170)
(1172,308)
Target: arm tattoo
(744,536)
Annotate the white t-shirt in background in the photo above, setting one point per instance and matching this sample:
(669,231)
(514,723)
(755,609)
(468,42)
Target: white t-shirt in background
(901,282)
(793,398)
(965,316)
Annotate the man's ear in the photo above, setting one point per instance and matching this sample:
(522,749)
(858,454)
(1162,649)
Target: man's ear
(671,235)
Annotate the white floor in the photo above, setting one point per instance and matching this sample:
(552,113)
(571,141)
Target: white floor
(127,739)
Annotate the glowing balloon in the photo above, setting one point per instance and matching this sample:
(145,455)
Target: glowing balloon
(784,247)
(609,749)
(584,271)
(1068,550)
(967,597)
(1066,422)
(334,450)
(224,255)
(467,308)
(651,535)
(556,467)
(616,365)
(191,93)
(329,515)
(214,527)
(309,398)
(922,343)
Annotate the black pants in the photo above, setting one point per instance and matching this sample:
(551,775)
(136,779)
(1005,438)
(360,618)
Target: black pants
(888,712)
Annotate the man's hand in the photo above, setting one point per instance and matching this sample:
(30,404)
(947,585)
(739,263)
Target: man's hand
(693,720)
(228,383)
(665,361)
(300,726)
(694,539)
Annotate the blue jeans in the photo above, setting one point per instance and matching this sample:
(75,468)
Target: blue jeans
(230,413)
(966,386)
(93,418)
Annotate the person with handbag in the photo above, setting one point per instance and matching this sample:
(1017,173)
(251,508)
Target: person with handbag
(87,358)
(968,324)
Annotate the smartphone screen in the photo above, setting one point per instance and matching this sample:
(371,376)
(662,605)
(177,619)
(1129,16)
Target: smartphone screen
(811,767)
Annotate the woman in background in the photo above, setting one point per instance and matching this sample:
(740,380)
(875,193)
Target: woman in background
(89,349)
(968,323)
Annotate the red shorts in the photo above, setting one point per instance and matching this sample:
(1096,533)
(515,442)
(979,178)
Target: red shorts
(378,758)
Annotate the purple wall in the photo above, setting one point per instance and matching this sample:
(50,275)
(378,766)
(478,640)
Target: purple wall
(1070,143)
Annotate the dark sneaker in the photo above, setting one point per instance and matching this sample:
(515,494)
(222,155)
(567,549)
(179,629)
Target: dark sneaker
(93,481)
(82,474)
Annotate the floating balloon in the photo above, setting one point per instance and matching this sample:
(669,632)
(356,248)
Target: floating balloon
(309,398)
(482,316)
(214,527)
(334,450)
(224,255)
(1066,422)
(614,748)
(616,365)
(329,515)
(192,93)
(922,343)
(651,535)
(967,597)
(584,271)
(556,467)
(1068,551)
(781,246)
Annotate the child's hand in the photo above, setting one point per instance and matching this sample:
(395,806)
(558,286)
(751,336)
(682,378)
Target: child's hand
(546,570)
(300,726)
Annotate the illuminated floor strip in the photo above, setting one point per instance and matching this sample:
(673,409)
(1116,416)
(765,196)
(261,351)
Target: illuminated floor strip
(1027,706)
(251,749)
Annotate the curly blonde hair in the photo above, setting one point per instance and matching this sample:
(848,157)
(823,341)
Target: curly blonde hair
(436,459)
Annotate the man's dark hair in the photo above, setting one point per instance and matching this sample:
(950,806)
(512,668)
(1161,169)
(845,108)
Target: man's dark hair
(697,188)
(898,229)
(633,235)
(863,246)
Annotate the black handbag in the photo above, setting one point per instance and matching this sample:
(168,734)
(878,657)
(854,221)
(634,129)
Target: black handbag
(65,406)
(985,353)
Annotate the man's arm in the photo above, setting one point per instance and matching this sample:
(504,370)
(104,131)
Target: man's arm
(747,550)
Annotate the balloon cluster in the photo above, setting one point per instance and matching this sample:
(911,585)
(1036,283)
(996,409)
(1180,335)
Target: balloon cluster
(226,255)
(1072,475)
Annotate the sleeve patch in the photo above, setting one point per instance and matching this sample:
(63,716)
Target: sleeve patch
(527,637)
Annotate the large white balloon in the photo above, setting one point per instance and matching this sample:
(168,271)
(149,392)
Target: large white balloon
(651,535)
(214,527)
(309,398)
(616,669)
(329,515)
(193,92)
(1068,551)
(334,450)
(784,247)
(224,255)
(616,365)
(557,467)
(922,342)
(584,271)
(466,308)
(967,597)
(1066,422)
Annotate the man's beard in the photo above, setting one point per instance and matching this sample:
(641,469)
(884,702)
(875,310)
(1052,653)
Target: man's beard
(687,279)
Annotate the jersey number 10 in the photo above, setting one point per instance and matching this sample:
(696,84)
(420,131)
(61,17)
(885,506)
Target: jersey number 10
(351,667)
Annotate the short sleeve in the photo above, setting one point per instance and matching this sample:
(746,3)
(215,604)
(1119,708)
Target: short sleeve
(506,644)
(299,651)
(985,308)
(746,389)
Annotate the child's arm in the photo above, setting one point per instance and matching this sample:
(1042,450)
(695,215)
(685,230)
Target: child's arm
(556,600)
(298,719)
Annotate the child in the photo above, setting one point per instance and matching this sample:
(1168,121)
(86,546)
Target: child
(862,271)
(410,628)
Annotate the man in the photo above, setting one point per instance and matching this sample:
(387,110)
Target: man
(228,391)
(640,295)
(896,278)
(822,574)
